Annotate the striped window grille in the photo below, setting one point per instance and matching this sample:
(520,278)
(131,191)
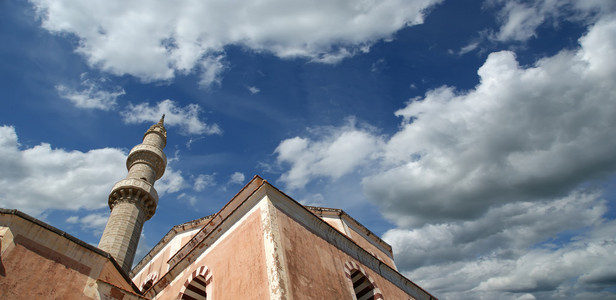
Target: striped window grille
(195,290)
(364,290)
(198,285)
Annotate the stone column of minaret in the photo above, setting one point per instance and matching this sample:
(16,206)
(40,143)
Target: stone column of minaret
(133,200)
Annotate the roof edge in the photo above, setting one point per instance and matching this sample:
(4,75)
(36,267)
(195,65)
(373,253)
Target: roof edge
(166,239)
(256,182)
(344,214)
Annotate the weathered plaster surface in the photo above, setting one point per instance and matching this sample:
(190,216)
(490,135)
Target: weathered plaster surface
(316,268)
(236,261)
(314,238)
(277,271)
(41,262)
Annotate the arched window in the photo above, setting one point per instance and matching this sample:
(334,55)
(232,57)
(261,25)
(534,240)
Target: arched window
(148,284)
(363,287)
(364,290)
(196,289)
(149,281)
(197,286)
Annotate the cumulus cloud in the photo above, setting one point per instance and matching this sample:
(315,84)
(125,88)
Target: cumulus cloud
(496,184)
(192,200)
(468,48)
(520,20)
(503,232)
(520,248)
(203,181)
(492,179)
(187,118)
(313,200)
(237,178)
(162,39)
(541,272)
(212,68)
(522,133)
(171,182)
(92,222)
(42,178)
(333,153)
(93,95)
(253,89)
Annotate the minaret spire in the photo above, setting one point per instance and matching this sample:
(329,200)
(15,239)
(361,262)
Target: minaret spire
(133,200)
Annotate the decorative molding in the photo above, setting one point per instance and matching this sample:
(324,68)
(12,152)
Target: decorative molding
(133,190)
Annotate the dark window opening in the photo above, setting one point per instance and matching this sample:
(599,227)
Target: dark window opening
(364,290)
(147,285)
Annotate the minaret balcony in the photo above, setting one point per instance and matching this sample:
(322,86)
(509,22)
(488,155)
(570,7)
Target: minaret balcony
(137,191)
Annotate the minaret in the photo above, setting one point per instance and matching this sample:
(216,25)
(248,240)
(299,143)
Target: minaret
(133,200)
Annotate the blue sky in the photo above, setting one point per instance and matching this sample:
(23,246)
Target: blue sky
(476,137)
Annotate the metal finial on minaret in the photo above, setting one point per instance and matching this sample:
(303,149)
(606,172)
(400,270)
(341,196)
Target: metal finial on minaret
(133,200)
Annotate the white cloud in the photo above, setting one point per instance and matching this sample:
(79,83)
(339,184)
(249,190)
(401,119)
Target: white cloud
(333,154)
(377,66)
(41,178)
(495,184)
(491,179)
(253,89)
(192,140)
(468,48)
(516,250)
(186,117)
(519,20)
(93,95)
(204,180)
(212,68)
(237,178)
(503,232)
(192,200)
(522,133)
(541,272)
(157,40)
(72,220)
(171,182)
(313,200)
(92,222)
